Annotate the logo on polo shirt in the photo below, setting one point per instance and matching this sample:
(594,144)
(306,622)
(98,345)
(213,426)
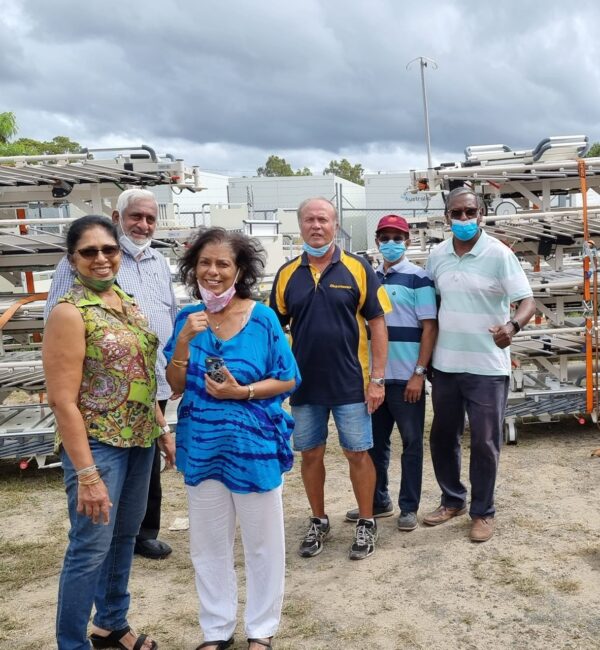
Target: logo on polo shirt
(339,286)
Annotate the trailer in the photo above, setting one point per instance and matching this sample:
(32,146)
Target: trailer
(555,357)
(30,247)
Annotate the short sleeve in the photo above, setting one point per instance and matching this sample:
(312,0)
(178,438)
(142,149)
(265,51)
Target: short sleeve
(377,302)
(425,300)
(281,362)
(514,280)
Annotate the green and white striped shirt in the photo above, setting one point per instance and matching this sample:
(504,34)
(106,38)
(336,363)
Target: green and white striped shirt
(476,291)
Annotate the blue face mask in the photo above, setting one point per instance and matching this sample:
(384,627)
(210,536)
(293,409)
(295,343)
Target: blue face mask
(392,250)
(464,230)
(316,252)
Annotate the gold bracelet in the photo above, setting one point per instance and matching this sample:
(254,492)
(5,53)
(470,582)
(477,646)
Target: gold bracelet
(92,481)
(178,363)
(250,388)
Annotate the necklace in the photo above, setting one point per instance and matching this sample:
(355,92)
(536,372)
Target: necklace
(217,326)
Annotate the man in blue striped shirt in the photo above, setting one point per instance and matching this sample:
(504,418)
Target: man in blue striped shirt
(145,275)
(412,330)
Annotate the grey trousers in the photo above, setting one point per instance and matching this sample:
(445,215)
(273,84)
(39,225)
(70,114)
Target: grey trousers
(483,398)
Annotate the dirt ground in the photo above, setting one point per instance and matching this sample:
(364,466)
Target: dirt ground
(535,585)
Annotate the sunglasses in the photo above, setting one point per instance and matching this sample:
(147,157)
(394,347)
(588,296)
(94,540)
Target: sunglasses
(384,239)
(91,252)
(457,214)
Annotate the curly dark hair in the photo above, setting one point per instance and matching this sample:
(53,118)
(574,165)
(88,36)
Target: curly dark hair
(249,255)
(80,226)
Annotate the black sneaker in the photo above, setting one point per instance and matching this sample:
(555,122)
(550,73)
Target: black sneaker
(364,539)
(386,511)
(312,544)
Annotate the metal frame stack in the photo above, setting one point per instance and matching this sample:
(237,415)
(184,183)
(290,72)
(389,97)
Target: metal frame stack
(555,357)
(91,181)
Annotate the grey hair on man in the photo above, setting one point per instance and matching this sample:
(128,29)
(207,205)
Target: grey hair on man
(128,197)
(317,198)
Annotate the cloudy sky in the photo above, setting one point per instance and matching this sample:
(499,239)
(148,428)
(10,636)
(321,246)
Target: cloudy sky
(223,84)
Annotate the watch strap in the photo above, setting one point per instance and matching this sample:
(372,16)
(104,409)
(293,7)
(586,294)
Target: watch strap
(515,324)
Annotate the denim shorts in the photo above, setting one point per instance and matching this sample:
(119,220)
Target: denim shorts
(353,423)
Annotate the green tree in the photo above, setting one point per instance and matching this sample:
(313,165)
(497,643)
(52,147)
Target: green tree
(8,127)
(594,151)
(344,169)
(30,147)
(276,166)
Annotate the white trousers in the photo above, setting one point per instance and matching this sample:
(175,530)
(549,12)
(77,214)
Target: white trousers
(213,510)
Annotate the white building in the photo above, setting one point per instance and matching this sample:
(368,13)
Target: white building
(192,208)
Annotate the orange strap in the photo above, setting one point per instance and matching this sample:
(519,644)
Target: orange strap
(13,309)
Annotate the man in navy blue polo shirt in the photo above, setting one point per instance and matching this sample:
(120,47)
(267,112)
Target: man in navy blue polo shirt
(412,330)
(327,296)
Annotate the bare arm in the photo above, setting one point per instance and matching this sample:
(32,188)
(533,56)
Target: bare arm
(414,386)
(379,344)
(263,389)
(166,442)
(503,333)
(177,368)
(63,356)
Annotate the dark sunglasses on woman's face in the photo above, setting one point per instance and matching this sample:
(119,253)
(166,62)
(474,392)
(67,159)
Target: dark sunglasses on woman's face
(384,239)
(107,251)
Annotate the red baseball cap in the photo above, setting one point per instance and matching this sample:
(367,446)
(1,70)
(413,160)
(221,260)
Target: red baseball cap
(393,221)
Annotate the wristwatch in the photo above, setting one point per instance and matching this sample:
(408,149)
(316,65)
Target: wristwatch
(515,323)
(164,430)
(420,370)
(380,381)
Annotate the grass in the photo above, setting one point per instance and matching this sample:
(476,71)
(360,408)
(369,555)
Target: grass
(9,625)
(566,586)
(26,562)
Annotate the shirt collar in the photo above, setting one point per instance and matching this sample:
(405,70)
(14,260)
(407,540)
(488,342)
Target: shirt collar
(395,268)
(480,244)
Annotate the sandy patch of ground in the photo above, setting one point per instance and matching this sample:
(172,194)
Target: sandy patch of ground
(535,585)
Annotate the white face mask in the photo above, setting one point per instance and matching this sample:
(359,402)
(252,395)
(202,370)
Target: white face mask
(128,244)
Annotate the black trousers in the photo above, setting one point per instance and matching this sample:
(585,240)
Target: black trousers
(483,398)
(151,524)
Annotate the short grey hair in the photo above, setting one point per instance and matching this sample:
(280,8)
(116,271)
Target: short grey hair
(128,197)
(457,191)
(317,198)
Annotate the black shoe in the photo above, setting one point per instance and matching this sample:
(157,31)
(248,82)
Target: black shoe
(153,549)
(312,543)
(364,539)
(386,511)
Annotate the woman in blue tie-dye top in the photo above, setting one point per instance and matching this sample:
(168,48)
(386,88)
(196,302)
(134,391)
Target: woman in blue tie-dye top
(232,433)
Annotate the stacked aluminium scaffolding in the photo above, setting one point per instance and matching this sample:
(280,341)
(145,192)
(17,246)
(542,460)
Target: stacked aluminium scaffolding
(89,182)
(554,358)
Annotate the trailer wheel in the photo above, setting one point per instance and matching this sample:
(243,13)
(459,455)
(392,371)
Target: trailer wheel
(510,432)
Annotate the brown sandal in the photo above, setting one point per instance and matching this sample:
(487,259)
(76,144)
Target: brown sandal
(221,645)
(262,642)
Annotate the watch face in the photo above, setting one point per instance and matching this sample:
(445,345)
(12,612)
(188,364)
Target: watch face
(420,370)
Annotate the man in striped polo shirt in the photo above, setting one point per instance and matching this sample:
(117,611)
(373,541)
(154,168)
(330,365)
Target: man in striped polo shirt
(412,329)
(477,278)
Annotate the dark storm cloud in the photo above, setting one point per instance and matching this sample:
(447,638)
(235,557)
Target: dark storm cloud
(326,75)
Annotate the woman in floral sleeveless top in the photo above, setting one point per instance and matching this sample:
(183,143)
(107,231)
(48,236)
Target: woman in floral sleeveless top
(99,359)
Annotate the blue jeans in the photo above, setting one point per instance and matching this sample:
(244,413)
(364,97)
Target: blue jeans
(98,558)
(410,419)
(352,421)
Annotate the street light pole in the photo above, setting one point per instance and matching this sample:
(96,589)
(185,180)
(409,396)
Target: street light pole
(424,62)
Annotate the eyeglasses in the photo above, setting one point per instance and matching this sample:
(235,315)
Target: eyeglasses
(91,252)
(384,239)
(457,214)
